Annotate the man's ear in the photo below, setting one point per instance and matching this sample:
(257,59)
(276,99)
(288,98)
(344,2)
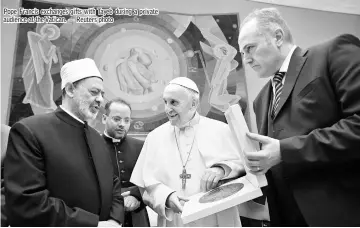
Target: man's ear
(279,37)
(69,89)
(104,118)
(194,104)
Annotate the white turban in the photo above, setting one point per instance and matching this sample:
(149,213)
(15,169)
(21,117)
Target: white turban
(185,82)
(78,69)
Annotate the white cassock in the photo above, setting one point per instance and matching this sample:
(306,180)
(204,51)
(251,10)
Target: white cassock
(159,167)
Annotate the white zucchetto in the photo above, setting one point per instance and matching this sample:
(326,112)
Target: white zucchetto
(185,82)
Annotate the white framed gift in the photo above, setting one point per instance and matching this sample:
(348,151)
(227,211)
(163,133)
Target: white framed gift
(236,191)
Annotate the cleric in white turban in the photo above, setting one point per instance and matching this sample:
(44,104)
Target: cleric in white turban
(184,156)
(78,69)
(56,170)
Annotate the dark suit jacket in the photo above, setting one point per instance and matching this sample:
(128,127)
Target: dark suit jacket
(124,156)
(5,130)
(57,174)
(318,125)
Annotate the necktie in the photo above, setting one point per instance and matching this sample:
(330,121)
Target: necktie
(278,77)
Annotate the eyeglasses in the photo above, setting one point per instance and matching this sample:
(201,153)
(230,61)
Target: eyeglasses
(117,119)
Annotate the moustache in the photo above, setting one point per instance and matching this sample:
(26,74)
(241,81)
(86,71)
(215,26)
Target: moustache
(97,103)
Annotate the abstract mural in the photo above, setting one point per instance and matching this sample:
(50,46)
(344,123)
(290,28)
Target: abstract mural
(137,56)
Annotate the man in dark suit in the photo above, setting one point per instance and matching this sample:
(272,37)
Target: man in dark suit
(308,116)
(56,172)
(124,152)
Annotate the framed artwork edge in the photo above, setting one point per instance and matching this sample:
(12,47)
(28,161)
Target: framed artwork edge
(193,210)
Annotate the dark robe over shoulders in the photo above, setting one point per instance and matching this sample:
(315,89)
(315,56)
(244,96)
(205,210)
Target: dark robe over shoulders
(57,173)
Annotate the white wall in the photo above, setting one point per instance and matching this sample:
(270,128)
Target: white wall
(343,6)
(8,39)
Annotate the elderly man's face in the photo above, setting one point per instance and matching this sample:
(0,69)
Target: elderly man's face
(88,97)
(117,121)
(179,106)
(258,51)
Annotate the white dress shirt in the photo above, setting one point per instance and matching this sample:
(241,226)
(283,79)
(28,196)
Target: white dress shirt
(284,68)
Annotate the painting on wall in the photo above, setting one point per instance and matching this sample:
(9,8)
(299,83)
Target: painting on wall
(137,57)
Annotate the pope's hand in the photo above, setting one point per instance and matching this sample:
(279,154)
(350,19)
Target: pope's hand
(211,177)
(259,162)
(175,202)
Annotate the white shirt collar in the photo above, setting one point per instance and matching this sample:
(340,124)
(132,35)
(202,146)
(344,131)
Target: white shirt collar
(284,67)
(114,140)
(195,120)
(68,112)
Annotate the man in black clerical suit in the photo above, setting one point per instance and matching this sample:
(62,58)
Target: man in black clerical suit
(124,152)
(56,172)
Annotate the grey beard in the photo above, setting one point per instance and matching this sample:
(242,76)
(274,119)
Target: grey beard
(85,112)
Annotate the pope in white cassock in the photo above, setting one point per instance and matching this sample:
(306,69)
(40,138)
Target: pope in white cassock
(185,156)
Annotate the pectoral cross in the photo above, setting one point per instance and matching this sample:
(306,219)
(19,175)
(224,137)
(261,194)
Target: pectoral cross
(184,176)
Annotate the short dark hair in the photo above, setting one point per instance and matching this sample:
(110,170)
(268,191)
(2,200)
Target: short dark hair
(115,100)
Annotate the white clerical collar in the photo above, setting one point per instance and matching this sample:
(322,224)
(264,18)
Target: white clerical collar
(195,120)
(114,140)
(284,67)
(72,115)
